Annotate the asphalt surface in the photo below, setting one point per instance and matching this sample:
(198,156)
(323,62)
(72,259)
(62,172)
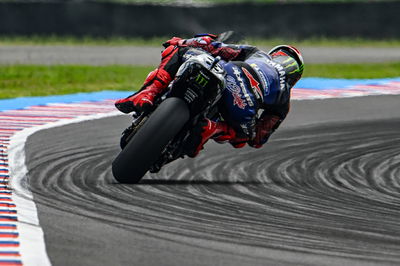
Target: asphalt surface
(324,191)
(131,55)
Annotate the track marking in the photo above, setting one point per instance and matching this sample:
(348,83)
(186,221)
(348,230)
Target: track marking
(21,237)
(383,88)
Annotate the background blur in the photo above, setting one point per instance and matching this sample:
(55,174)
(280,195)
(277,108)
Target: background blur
(261,18)
(67,46)
(315,195)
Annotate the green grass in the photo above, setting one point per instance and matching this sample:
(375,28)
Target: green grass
(70,40)
(327,42)
(157,41)
(27,80)
(353,71)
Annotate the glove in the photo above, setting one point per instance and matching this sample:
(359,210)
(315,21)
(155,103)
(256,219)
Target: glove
(175,41)
(203,41)
(265,126)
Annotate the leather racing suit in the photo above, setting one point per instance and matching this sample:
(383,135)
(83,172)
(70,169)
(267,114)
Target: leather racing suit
(254,103)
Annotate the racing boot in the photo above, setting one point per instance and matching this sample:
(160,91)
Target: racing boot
(230,135)
(205,130)
(142,101)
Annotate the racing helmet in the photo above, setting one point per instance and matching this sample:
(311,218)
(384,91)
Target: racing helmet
(291,60)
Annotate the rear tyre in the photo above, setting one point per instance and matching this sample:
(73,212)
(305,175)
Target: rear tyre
(145,147)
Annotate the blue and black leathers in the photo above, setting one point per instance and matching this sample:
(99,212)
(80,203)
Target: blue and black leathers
(254,102)
(253,89)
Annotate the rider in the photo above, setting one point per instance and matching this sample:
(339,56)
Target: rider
(257,94)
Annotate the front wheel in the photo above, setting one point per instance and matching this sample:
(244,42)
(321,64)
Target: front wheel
(145,147)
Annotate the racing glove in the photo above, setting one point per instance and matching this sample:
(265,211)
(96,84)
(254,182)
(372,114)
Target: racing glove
(208,43)
(265,126)
(175,41)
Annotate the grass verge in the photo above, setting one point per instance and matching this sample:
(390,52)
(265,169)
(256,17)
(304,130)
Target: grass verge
(32,80)
(353,71)
(71,40)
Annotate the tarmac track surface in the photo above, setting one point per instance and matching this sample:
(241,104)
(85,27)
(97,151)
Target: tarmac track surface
(324,191)
(133,55)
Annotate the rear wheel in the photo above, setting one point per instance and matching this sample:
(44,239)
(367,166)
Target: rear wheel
(145,147)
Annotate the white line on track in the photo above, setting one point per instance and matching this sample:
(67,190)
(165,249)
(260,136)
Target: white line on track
(31,241)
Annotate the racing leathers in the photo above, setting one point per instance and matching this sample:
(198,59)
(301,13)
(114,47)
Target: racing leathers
(254,102)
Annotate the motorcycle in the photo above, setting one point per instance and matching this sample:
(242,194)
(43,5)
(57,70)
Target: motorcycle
(162,135)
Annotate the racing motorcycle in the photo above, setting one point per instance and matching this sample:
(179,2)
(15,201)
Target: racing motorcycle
(162,135)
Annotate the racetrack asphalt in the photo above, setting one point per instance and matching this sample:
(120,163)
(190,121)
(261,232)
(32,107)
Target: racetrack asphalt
(133,55)
(324,191)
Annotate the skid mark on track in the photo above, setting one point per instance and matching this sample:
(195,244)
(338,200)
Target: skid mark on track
(315,195)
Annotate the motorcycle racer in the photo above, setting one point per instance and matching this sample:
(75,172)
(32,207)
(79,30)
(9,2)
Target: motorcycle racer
(256,98)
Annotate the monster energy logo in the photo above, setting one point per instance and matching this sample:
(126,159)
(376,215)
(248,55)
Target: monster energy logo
(201,80)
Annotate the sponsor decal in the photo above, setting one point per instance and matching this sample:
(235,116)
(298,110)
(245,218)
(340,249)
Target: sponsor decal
(262,78)
(281,71)
(190,95)
(236,92)
(253,83)
(201,80)
(238,73)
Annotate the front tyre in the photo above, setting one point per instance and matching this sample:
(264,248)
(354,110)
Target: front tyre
(146,146)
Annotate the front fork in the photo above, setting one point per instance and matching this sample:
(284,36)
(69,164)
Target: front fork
(138,120)
(127,135)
